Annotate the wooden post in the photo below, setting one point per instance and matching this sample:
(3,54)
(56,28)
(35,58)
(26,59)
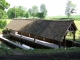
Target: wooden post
(43,39)
(29,35)
(20,38)
(7,30)
(73,38)
(64,42)
(34,40)
(59,44)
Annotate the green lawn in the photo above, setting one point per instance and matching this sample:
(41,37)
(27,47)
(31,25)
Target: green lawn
(77,17)
(37,51)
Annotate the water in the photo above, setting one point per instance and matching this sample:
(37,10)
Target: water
(21,43)
(4,44)
(28,43)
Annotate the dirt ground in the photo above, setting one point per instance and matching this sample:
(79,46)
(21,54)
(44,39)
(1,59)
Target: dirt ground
(50,56)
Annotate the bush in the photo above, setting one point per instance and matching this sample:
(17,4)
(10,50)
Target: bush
(5,31)
(2,24)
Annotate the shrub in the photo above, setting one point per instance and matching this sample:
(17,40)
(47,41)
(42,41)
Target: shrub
(2,24)
(5,31)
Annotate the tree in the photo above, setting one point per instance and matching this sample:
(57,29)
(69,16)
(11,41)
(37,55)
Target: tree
(16,12)
(20,11)
(3,23)
(30,12)
(3,14)
(33,11)
(26,15)
(4,4)
(40,15)
(70,8)
(11,13)
(43,10)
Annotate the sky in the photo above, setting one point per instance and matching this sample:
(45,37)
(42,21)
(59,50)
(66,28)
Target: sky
(54,7)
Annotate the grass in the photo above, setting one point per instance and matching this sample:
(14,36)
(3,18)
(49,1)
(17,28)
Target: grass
(78,27)
(37,51)
(53,50)
(76,17)
(8,20)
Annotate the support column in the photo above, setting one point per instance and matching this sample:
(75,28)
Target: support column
(20,38)
(7,30)
(64,42)
(29,35)
(73,38)
(59,44)
(43,39)
(34,40)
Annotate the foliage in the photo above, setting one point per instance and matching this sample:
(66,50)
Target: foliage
(70,8)
(5,31)
(30,12)
(3,14)
(20,11)
(11,13)
(26,15)
(33,11)
(4,4)
(40,15)
(43,10)
(7,22)
(2,24)
(16,12)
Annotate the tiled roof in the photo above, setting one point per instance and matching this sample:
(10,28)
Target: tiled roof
(46,28)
